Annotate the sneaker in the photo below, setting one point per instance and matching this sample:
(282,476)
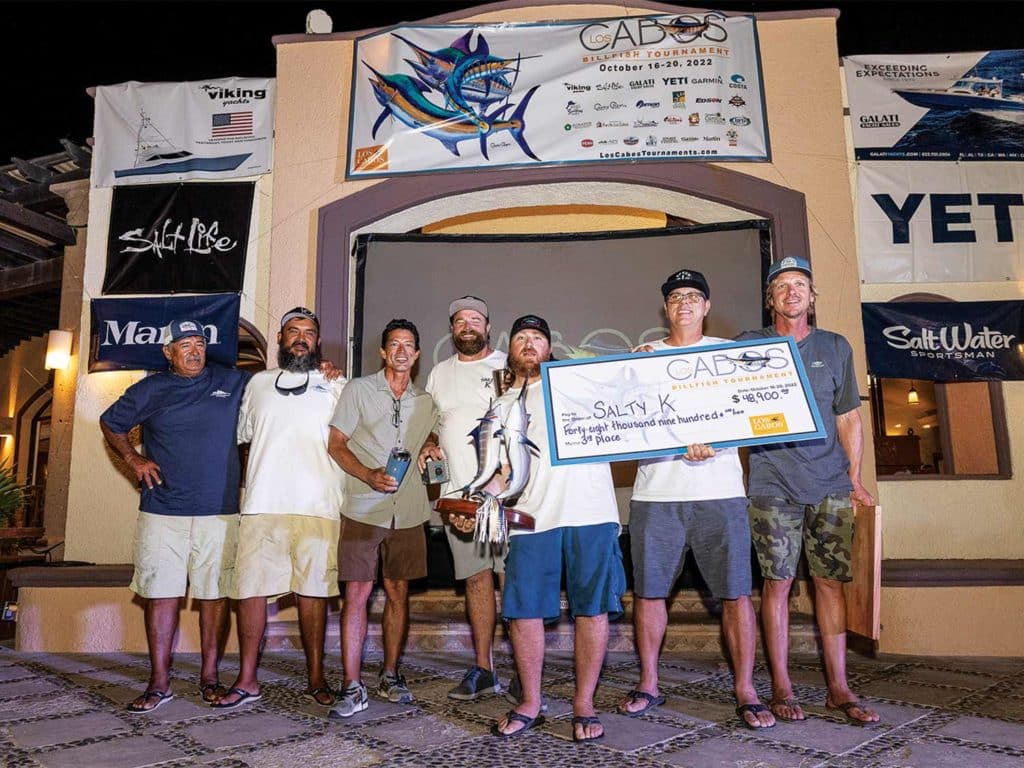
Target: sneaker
(476,682)
(351,700)
(514,693)
(393,688)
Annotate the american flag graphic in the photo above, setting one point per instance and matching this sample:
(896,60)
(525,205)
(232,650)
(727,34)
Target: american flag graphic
(231,124)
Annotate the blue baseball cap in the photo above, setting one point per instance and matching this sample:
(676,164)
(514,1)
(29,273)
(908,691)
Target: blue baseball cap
(790,263)
(180,329)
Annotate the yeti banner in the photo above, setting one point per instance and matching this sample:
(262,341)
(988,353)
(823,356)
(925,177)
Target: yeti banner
(178,238)
(945,341)
(434,98)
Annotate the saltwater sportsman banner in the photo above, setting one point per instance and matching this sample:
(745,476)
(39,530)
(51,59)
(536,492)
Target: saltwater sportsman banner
(206,129)
(129,334)
(940,222)
(178,238)
(433,98)
(951,106)
(637,406)
(945,341)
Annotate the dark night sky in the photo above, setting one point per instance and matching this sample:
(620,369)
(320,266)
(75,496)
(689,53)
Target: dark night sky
(53,51)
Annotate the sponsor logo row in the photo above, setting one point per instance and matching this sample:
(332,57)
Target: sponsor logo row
(736,80)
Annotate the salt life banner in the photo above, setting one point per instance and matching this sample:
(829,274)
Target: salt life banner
(952,106)
(637,406)
(940,222)
(178,238)
(945,341)
(432,98)
(206,129)
(128,334)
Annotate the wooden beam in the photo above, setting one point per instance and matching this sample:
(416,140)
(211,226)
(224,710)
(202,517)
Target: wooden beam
(36,223)
(19,246)
(31,278)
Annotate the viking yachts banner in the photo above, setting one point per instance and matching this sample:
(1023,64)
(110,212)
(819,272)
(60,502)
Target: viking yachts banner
(207,129)
(431,98)
(953,106)
(940,222)
(178,238)
(945,341)
(637,406)
(128,334)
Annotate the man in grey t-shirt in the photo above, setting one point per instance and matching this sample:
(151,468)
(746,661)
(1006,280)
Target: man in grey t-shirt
(805,492)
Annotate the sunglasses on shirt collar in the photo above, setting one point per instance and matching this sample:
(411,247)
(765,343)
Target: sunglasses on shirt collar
(299,390)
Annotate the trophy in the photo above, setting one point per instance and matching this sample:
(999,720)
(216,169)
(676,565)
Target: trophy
(497,433)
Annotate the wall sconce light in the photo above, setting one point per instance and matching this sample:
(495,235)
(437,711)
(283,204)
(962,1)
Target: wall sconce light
(912,398)
(58,350)
(6,426)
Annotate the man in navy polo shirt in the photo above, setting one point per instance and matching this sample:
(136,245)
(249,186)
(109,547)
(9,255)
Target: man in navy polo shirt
(188,521)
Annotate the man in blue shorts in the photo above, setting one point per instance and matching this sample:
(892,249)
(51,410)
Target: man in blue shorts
(577,526)
(186,533)
(694,501)
(804,493)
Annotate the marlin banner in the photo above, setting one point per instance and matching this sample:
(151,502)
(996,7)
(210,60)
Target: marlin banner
(435,98)
(207,129)
(945,341)
(129,334)
(952,106)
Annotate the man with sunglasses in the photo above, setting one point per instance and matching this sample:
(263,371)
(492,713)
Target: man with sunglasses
(381,418)
(693,501)
(188,512)
(288,535)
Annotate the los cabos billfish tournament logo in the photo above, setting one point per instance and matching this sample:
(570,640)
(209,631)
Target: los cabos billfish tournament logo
(455,94)
(768,424)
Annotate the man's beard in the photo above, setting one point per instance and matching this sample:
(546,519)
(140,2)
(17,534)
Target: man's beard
(298,363)
(470,346)
(527,369)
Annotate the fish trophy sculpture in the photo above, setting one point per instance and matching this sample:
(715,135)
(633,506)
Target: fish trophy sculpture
(501,432)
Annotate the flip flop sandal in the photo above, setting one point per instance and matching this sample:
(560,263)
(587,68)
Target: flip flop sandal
(244,697)
(321,691)
(162,697)
(845,708)
(637,695)
(586,720)
(210,692)
(754,709)
(517,717)
(791,703)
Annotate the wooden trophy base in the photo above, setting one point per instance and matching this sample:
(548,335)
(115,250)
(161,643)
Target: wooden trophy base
(468,508)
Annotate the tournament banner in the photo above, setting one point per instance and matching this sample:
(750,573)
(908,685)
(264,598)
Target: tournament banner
(940,222)
(436,98)
(206,129)
(178,238)
(950,106)
(128,334)
(637,406)
(945,341)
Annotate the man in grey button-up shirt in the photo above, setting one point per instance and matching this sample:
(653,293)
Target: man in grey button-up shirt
(382,516)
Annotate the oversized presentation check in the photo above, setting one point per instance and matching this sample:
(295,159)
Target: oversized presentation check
(640,405)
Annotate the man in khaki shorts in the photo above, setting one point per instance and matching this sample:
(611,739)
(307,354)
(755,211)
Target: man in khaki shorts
(288,535)
(188,512)
(383,516)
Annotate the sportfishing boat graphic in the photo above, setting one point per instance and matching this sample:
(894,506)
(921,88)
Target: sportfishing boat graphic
(974,94)
(448,98)
(156,154)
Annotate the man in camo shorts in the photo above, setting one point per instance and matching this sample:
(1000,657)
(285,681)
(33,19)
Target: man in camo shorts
(804,493)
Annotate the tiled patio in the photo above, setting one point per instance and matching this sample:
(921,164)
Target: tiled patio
(66,711)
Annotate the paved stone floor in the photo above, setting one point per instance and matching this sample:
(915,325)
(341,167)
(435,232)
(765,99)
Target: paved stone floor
(67,711)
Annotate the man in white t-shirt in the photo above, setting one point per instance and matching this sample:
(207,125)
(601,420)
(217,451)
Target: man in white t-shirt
(695,501)
(463,388)
(288,533)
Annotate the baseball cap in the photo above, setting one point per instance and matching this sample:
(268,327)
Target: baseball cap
(308,314)
(467,302)
(788,263)
(180,329)
(531,321)
(685,278)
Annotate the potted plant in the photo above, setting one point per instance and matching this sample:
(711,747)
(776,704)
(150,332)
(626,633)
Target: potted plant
(12,497)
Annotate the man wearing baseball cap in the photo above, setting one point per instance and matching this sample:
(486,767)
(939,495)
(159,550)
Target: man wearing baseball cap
(805,492)
(463,388)
(693,501)
(186,532)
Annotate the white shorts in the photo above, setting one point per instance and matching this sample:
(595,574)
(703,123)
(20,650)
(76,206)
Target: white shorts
(175,553)
(278,554)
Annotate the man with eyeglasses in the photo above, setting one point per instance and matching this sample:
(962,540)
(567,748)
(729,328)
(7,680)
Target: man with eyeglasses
(288,535)
(188,510)
(694,501)
(463,388)
(805,492)
(381,421)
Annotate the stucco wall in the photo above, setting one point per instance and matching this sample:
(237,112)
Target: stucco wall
(21,375)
